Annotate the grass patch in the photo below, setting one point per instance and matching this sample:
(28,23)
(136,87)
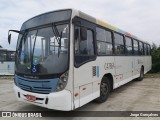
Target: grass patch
(152,75)
(155,68)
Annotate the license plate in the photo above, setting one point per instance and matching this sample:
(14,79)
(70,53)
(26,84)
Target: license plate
(31,98)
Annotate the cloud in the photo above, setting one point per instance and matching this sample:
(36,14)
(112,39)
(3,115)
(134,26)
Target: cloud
(139,17)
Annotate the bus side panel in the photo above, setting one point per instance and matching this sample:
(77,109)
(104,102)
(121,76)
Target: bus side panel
(147,64)
(138,63)
(85,94)
(106,65)
(11,67)
(3,68)
(88,78)
(124,69)
(6,68)
(83,80)
(76,98)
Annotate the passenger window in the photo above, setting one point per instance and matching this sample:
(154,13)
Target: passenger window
(149,50)
(86,46)
(11,55)
(104,48)
(128,46)
(100,34)
(140,48)
(135,45)
(119,44)
(145,49)
(3,56)
(104,42)
(108,37)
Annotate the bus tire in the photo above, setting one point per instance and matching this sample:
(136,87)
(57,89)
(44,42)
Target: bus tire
(141,74)
(105,89)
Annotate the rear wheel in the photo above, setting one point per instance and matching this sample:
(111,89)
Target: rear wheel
(104,90)
(141,74)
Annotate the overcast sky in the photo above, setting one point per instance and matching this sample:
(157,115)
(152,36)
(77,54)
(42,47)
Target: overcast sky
(139,17)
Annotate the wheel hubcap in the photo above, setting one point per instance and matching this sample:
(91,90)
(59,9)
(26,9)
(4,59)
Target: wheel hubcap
(104,89)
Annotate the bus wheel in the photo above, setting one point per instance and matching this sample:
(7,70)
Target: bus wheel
(141,74)
(104,90)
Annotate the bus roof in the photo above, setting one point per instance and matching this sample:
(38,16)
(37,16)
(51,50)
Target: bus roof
(106,25)
(94,20)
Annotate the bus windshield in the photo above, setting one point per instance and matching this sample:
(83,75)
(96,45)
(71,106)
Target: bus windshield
(43,51)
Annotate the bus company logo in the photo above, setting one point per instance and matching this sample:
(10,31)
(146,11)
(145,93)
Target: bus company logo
(6,114)
(108,66)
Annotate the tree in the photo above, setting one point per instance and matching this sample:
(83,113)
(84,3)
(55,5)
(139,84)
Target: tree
(155,58)
(154,46)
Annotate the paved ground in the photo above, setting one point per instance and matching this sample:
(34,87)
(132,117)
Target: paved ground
(134,96)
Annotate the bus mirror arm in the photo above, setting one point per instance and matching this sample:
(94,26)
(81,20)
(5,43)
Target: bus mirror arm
(9,38)
(9,34)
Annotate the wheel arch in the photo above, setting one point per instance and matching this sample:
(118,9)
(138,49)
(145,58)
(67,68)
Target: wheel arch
(110,77)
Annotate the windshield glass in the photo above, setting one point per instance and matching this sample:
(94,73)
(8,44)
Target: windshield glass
(43,51)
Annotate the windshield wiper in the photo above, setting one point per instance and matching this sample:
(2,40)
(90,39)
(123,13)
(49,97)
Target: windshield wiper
(59,47)
(58,37)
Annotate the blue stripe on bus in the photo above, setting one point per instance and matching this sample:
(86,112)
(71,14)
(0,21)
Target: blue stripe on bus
(45,86)
(97,71)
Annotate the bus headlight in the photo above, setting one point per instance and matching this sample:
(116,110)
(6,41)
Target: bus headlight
(62,82)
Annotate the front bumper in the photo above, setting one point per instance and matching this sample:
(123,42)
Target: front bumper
(56,100)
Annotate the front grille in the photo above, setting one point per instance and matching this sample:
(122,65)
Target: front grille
(37,86)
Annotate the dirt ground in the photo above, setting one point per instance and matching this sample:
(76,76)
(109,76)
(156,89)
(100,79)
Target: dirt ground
(134,96)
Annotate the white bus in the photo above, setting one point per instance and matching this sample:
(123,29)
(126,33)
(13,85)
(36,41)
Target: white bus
(66,58)
(7,62)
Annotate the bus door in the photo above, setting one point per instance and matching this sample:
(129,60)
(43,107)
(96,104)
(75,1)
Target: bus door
(84,63)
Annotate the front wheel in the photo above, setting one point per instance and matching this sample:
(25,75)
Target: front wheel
(104,90)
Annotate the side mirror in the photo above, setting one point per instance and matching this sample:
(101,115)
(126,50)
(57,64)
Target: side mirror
(9,35)
(83,33)
(9,38)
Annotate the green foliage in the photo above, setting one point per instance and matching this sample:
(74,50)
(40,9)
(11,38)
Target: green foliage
(156,55)
(155,52)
